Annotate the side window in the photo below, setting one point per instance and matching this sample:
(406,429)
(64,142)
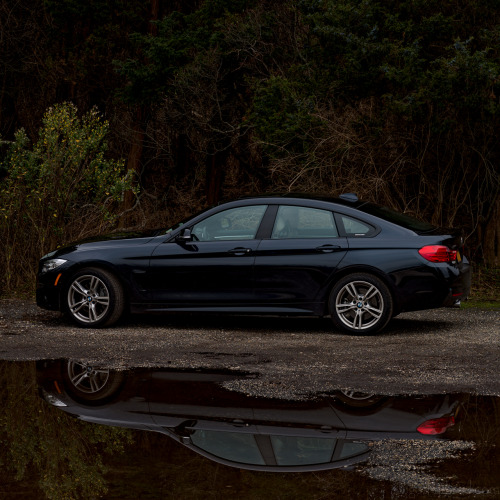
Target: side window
(298,450)
(239,223)
(235,446)
(303,222)
(355,227)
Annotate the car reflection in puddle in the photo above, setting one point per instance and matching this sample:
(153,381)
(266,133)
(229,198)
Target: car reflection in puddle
(394,437)
(434,444)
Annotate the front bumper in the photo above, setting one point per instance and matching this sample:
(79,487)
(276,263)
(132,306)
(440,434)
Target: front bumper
(48,294)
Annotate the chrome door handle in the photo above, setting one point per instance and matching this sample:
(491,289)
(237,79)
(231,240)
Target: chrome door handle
(239,423)
(240,251)
(327,248)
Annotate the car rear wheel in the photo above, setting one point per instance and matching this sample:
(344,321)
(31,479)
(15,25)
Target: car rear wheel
(355,399)
(360,304)
(94,298)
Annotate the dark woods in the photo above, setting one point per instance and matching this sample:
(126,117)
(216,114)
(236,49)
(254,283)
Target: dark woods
(126,113)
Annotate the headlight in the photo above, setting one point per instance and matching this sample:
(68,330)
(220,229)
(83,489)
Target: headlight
(48,265)
(53,400)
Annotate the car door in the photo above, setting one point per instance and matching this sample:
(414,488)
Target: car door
(295,263)
(214,268)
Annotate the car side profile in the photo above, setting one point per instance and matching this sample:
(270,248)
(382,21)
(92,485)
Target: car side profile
(358,262)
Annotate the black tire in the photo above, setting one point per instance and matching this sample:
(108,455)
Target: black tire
(94,298)
(355,399)
(90,384)
(360,304)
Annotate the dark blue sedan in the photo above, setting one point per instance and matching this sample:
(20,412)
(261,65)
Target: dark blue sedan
(357,262)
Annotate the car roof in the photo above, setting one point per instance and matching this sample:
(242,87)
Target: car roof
(373,212)
(353,202)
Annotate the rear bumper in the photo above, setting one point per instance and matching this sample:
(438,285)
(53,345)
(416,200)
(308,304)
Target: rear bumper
(459,286)
(431,286)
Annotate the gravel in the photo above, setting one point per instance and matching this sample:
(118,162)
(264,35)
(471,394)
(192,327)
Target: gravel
(428,352)
(410,463)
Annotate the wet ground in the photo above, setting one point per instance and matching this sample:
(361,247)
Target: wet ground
(443,350)
(172,433)
(426,366)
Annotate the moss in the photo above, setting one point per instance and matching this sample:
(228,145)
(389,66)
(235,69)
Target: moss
(489,305)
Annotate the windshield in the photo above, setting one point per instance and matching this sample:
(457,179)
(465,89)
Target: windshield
(181,223)
(398,218)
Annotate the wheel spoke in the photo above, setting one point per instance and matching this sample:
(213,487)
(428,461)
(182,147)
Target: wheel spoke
(372,291)
(358,320)
(103,300)
(77,306)
(77,379)
(343,308)
(376,313)
(92,312)
(101,371)
(93,384)
(78,288)
(350,288)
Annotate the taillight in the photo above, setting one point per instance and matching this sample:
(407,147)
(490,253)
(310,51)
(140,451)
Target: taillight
(438,253)
(436,425)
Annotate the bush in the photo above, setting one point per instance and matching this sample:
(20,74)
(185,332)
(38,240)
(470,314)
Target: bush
(60,189)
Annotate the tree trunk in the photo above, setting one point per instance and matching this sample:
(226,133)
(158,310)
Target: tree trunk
(491,236)
(214,176)
(137,139)
(133,164)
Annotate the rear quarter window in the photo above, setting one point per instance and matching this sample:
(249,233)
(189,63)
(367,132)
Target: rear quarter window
(355,228)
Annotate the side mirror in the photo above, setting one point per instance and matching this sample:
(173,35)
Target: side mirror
(184,236)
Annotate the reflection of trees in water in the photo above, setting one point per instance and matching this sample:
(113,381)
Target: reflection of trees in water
(39,441)
(479,423)
(61,457)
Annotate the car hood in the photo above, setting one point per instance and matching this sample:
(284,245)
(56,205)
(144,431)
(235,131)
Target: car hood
(105,240)
(120,235)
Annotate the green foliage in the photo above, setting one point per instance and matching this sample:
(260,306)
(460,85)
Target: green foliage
(284,116)
(410,53)
(52,187)
(485,290)
(64,453)
(397,100)
(86,32)
(180,37)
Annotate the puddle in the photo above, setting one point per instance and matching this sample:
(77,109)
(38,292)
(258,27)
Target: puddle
(73,430)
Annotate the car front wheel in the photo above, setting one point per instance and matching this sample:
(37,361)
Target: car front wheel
(90,384)
(94,298)
(360,304)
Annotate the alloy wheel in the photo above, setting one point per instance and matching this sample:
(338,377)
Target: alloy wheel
(359,305)
(88,299)
(85,378)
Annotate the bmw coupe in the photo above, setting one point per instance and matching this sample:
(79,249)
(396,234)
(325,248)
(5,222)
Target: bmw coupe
(357,262)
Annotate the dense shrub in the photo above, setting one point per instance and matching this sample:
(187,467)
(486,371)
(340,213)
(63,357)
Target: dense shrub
(60,188)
